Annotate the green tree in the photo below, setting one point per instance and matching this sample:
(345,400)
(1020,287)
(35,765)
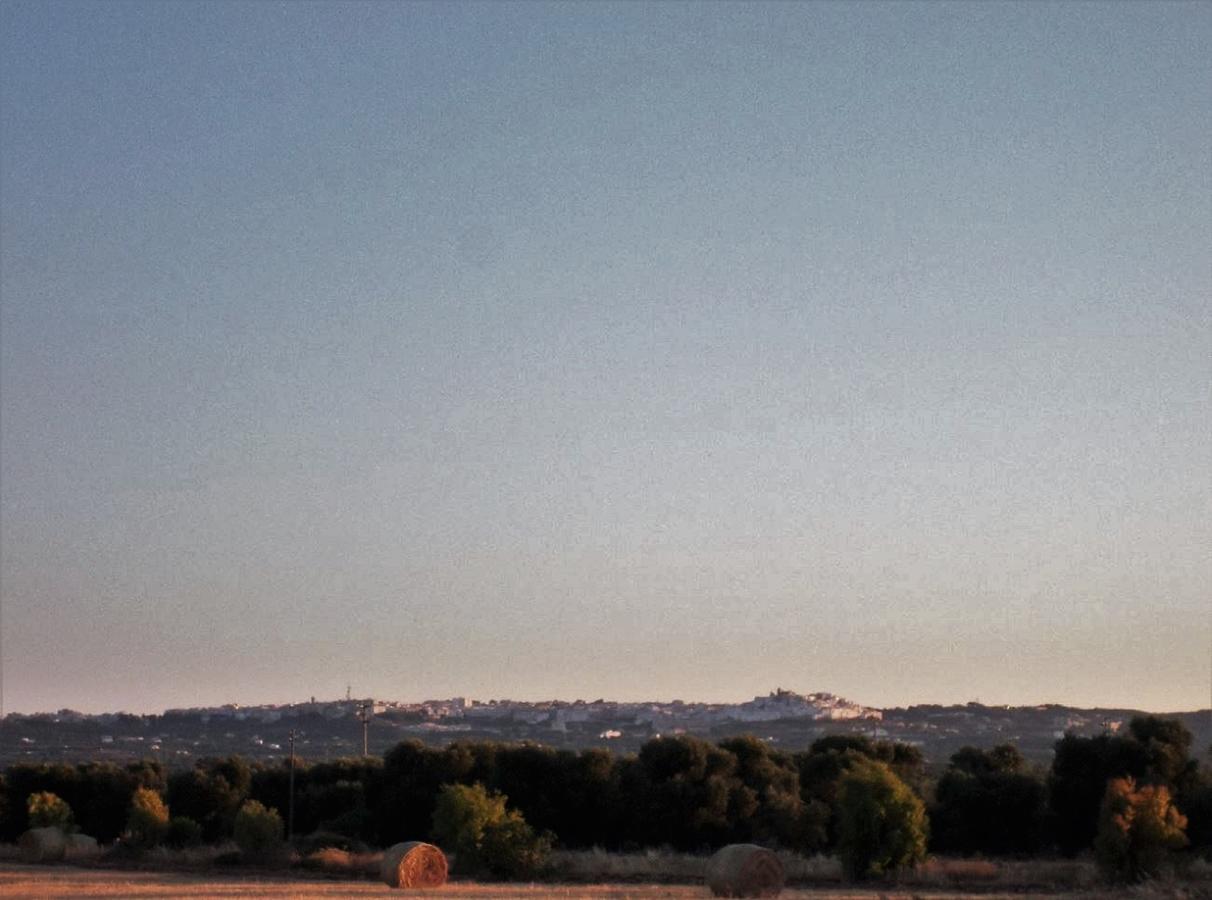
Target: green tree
(147,824)
(47,810)
(1138,827)
(881,823)
(258,830)
(485,835)
(461,815)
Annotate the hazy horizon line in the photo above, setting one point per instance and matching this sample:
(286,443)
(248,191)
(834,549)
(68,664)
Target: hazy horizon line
(624,699)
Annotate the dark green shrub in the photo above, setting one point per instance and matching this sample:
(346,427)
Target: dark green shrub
(258,831)
(183,832)
(511,849)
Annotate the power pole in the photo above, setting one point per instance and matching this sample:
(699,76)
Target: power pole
(365,711)
(290,804)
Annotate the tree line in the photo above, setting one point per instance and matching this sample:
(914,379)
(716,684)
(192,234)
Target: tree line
(680,792)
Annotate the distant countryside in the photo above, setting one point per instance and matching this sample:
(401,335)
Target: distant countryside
(773,435)
(1126,802)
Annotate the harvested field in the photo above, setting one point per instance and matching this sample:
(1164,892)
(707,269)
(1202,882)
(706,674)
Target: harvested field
(67,882)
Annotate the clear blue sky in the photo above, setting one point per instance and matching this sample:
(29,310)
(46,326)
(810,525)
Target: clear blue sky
(580,350)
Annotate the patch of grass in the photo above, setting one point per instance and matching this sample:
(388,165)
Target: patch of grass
(343,863)
(670,867)
(652,866)
(10,853)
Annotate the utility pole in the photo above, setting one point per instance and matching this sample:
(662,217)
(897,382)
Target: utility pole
(365,711)
(290,804)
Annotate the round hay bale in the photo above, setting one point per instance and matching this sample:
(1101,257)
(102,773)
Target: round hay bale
(43,845)
(82,845)
(413,865)
(745,870)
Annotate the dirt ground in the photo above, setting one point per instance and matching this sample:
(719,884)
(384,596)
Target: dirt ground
(67,882)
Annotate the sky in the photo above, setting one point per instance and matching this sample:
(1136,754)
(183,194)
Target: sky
(640,351)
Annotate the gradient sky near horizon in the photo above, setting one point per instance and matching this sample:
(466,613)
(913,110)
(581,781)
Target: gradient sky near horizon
(640,351)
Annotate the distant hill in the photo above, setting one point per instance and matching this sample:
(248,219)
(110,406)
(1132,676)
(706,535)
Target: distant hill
(329,729)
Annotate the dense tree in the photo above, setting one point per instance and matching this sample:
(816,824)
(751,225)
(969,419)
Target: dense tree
(23,780)
(882,824)
(985,803)
(1196,805)
(105,793)
(537,780)
(1152,751)
(98,792)
(1002,759)
(772,780)
(183,832)
(823,766)
(592,808)
(402,808)
(685,794)
(1081,768)
(211,794)
(680,791)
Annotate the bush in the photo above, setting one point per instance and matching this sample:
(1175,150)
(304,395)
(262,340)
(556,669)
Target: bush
(881,822)
(460,816)
(484,836)
(47,810)
(183,832)
(1137,829)
(258,830)
(147,824)
(511,848)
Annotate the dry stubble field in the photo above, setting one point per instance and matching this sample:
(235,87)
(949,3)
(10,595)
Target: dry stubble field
(68,882)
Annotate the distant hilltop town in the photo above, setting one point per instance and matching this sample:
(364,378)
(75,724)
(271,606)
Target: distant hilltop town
(558,715)
(327,729)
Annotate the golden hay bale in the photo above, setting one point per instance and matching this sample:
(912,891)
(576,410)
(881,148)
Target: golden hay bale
(745,870)
(43,845)
(413,865)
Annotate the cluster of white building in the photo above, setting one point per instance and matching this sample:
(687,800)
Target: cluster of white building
(558,714)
